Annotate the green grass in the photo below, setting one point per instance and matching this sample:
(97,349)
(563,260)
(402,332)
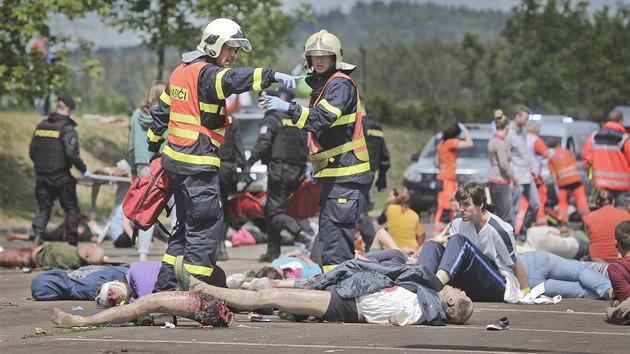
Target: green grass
(103,144)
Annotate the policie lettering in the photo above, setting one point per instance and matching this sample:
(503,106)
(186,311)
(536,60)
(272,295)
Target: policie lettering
(47,133)
(179,93)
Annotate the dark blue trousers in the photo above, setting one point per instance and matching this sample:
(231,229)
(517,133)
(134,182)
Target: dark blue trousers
(469,268)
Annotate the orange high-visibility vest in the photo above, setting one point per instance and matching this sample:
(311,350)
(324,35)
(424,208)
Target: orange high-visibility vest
(611,169)
(564,166)
(320,156)
(184,124)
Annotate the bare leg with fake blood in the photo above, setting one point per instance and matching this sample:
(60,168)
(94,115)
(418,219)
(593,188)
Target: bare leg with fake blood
(200,307)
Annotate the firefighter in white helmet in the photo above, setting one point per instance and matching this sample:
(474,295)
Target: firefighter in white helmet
(336,145)
(191,117)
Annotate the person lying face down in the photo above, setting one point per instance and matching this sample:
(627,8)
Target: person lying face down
(206,304)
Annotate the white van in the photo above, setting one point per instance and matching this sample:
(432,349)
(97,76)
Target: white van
(572,133)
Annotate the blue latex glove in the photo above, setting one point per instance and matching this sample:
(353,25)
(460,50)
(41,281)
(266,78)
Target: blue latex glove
(87,174)
(274,103)
(287,80)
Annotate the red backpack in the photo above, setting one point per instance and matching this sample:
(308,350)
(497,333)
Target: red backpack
(147,196)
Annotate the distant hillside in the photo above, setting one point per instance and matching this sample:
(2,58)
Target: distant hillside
(376,23)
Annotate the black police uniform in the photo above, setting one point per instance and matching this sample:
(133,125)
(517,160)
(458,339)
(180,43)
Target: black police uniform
(379,162)
(54,149)
(283,148)
(232,154)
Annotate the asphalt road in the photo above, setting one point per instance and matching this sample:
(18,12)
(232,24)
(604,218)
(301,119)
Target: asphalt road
(572,326)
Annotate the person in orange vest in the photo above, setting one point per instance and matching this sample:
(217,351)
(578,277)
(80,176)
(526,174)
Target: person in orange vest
(564,171)
(191,117)
(337,146)
(607,153)
(538,151)
(446,161)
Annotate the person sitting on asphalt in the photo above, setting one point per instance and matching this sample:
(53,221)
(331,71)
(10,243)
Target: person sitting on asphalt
(403,224)
(386,295)
(53,256)
(480,255)
(619,273)
(600,227)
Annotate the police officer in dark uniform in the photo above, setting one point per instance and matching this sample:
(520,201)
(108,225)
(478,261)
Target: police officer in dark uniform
(337,145)
(191,119)
(283,148)
(54,149)
(379,162)
(232,154)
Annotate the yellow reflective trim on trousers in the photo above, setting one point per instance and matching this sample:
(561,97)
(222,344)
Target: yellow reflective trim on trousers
(209,107)
(302,120)
(198,270)
(185,118)
(183,133)
(347,119)
(330,108)
(343,171)
(165,98)
(218,85)
(168,259)
(193,159)
(152,137)
(257,85)
(349,146)
(328,268)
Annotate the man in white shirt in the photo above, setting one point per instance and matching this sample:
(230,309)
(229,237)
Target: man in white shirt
(480,255)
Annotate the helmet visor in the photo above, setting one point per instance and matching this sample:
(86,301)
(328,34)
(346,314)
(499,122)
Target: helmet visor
(318,53)
(239,43)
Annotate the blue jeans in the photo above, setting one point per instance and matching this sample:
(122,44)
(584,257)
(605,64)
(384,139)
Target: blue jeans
(562,276)
(469,268)
(530,192)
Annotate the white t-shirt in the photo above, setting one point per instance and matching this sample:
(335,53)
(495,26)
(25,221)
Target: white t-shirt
(496,241)
(378,307)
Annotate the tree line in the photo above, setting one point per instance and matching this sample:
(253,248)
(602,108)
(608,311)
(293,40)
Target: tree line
(421,65)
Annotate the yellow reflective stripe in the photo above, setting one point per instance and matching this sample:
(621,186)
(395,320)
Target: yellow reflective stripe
(168,259)
(198,270)
(165,98)
(183,133)
(343,171)
(347,119)
(342,200)
(257,85)
(185,118)
(376,133)
(330,108)
(209,107)
(193,159)
(152,137)
(302,120)
(328,268)
(349,146)
(218,85)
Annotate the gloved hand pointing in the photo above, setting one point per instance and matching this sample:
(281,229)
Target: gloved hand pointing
(274,103)
(287,80)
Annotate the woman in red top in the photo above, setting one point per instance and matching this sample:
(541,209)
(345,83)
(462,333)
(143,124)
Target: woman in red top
(446,160)
(600,228)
